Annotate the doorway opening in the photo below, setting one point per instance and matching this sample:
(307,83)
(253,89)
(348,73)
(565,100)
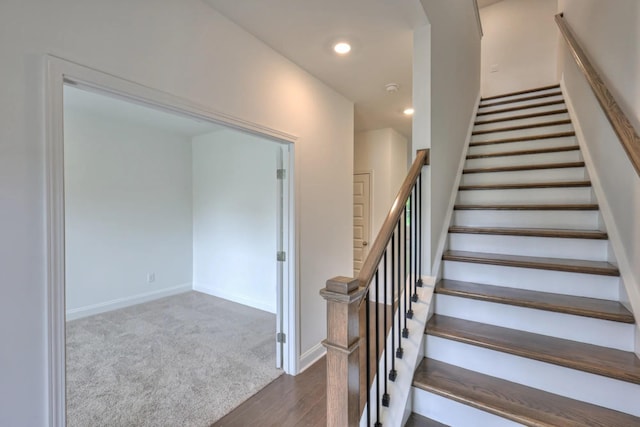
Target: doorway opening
(153,207)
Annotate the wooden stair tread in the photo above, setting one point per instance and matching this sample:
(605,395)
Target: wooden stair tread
(525,152)
(569,304)
(523,138)
(545,207)
(608,362)
(416,420)
(557,264)
(521,107)
(526,167)
(525,185)
(513,401)
(522,92)
(522,127)
(523,99)
(531,232)
(523,116)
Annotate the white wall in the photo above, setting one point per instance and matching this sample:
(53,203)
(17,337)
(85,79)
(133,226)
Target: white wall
(609,33)
(454,89)
(127,213)
(234,208)
(187,49)
(384,153)
(520,38)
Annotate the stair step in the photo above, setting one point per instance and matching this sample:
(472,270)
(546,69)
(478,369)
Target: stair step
(526,186)
(612,363)
(416,420)
(522,92)
(523,138)
(532,232)
(525,98)
(521,127)
(545,207)
(513,401)
(555,264)
(521,107)
(523,117)
(569,304)
(526,167)
(524,152)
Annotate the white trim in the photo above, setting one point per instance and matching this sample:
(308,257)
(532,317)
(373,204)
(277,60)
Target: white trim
(103,307)
(59,71)
(629,282)
(213,291)
(442,241)
(311,356)
(476,10)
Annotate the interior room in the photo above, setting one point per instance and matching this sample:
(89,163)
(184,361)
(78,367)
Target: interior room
(172,226)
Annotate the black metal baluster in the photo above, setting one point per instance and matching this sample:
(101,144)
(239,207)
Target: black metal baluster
(410,269)
(377,340)
(414,227)
(405,330)
(399,351)
(419,224)
(393,374)
(385,396)
(368,355)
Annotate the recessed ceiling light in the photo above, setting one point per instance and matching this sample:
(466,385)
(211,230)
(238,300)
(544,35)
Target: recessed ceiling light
(409,111)
(342,48)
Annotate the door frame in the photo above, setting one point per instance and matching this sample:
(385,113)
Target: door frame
(59,72)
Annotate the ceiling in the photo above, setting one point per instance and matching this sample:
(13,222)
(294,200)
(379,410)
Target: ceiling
(134,113)
(381,35)
(485,3)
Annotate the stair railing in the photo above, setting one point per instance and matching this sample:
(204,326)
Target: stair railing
(361,312)
(621,125)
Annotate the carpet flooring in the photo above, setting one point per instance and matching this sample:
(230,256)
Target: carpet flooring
(185,360)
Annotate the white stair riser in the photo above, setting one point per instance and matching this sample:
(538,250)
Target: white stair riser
(529,196)
(588,330)
(561,282)
(524,145)
(526,176)
(522,122)
(452,413)
(484,109)
(576,220)
(522,133)
(493,116)
(526,159)
(586,249)
(520,96)
(595,389)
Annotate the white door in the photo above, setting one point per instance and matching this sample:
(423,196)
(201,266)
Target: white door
(361,219)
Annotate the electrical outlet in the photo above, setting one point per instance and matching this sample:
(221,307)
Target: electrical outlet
(151,277)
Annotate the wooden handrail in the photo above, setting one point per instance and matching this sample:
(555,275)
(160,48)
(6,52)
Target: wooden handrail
(382,240)
(621,125)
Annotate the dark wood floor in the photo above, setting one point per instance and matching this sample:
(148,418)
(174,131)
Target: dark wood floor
(287,401)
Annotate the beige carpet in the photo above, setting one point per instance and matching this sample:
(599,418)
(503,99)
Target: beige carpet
(185,360)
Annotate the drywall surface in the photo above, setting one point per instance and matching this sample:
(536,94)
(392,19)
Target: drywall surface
(519,45)
(188,50)
(455,84)
(127,213)
(609,33)
(234,217)
(384,153)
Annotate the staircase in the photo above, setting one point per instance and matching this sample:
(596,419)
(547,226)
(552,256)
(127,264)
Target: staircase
(527,326)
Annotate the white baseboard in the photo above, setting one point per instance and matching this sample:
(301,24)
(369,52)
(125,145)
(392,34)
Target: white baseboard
(213,291)
(311,356)
(90,310)
(630,283)
(435,269)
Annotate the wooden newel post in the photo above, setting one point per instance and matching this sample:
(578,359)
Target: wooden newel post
(343,354)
